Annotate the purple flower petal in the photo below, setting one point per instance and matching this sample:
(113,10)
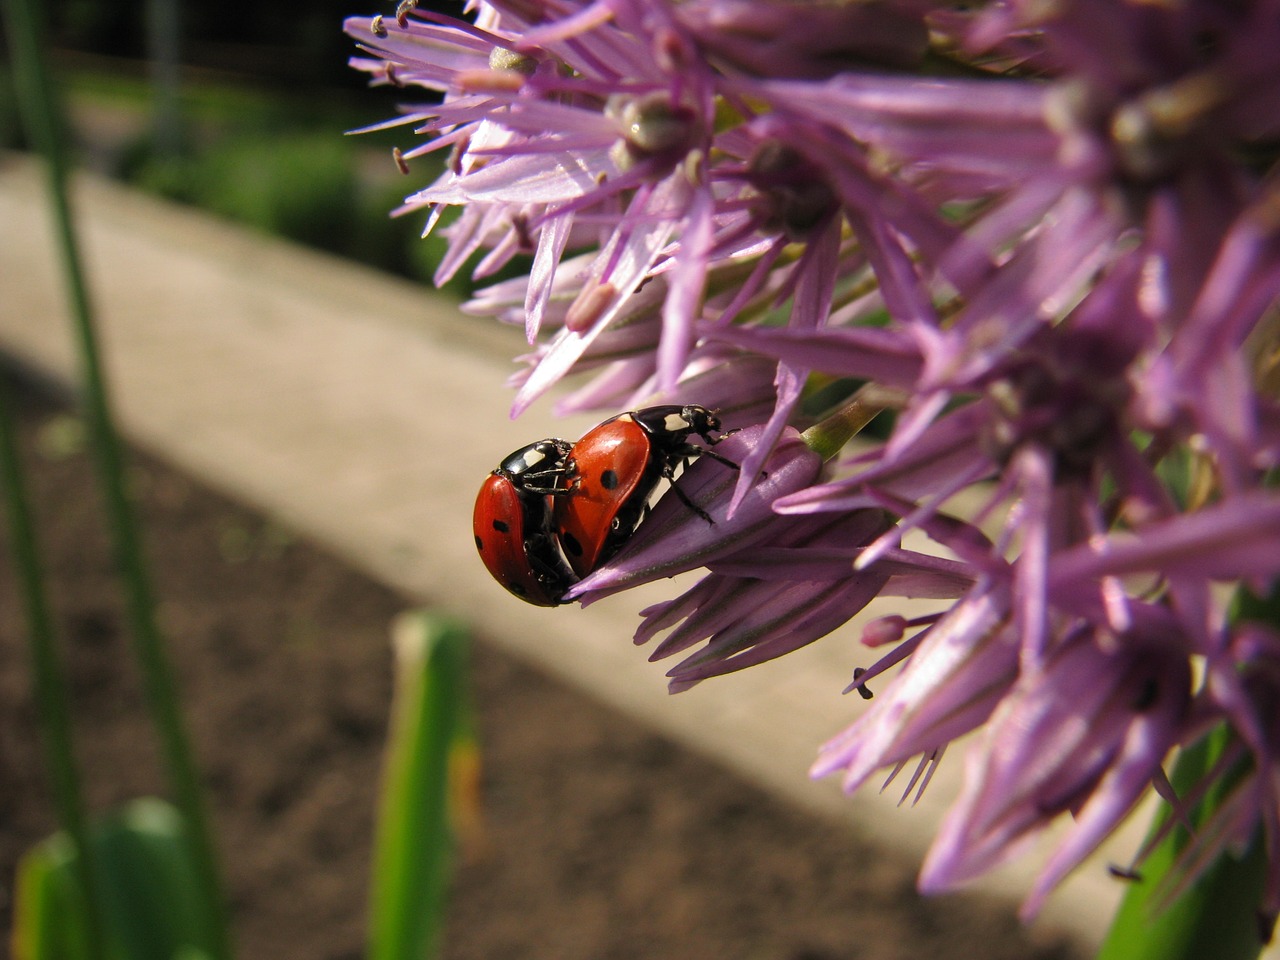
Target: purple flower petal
(1086,734)
(684,299)
(947,449)
(952,682)
(870,352)
(621,267)
(815,286)
(551,244)
(1237,538)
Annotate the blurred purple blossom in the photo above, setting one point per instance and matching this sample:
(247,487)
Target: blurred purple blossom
(1053,250)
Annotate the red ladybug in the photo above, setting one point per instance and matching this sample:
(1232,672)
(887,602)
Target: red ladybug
(616,466)
(513,522)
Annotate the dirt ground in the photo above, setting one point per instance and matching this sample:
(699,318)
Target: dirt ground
(603,840)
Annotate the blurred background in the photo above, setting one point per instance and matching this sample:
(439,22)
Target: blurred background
(233,107)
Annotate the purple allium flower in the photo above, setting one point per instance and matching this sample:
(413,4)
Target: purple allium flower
(1050,251)
(1086,733)
(561,123)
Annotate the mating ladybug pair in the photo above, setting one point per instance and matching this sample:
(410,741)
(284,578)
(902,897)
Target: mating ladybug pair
(554,511)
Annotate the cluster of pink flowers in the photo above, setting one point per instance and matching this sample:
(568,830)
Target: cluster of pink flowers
(1050,250)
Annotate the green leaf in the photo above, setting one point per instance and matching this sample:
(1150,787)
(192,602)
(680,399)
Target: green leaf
(49,915)
(152,891)
(429,735)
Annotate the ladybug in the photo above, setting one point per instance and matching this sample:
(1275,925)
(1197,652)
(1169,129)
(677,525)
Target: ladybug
(616,466)
(513,522)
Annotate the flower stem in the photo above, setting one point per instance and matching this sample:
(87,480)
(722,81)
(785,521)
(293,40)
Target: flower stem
(829,435)
(43,121)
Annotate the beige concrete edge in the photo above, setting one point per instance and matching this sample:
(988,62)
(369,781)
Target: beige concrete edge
(363,411)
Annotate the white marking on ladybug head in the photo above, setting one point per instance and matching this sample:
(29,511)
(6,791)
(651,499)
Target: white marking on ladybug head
(533,456)
(674,423)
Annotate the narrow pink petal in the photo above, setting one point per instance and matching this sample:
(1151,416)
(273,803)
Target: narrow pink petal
(684,297)
(551,242)
(1238,537)
(815,288)
(626,260)
(1035,472)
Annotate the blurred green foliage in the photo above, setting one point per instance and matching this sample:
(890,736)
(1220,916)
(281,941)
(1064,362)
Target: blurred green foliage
(272,159)
(265,99)
(429,786)
(150,884)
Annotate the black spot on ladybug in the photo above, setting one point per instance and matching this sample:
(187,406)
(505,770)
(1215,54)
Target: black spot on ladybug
(517,589)
(501,526)
(570,543)
(609,479)
(479,544)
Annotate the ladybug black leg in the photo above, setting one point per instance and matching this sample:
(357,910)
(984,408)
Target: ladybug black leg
(689,452)
(553,477)
(684,498)
(669,472)
(718,458)
(551,491)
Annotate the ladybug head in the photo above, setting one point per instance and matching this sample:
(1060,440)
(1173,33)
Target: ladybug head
(701,420)
(536,459)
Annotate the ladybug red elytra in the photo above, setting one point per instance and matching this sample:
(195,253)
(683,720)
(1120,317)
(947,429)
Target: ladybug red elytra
(616,466)
(513,522)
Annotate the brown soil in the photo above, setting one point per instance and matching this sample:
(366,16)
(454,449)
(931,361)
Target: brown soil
(604,841)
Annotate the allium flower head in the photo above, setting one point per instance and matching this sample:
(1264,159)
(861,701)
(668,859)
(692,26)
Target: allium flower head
(1049,252)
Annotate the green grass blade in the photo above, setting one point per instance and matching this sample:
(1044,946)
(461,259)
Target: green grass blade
(41,116)
(413,842)
(49,913)
(144,863)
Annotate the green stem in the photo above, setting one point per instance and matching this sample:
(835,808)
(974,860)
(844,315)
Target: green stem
(829,436)
(49,677)
(42,119)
